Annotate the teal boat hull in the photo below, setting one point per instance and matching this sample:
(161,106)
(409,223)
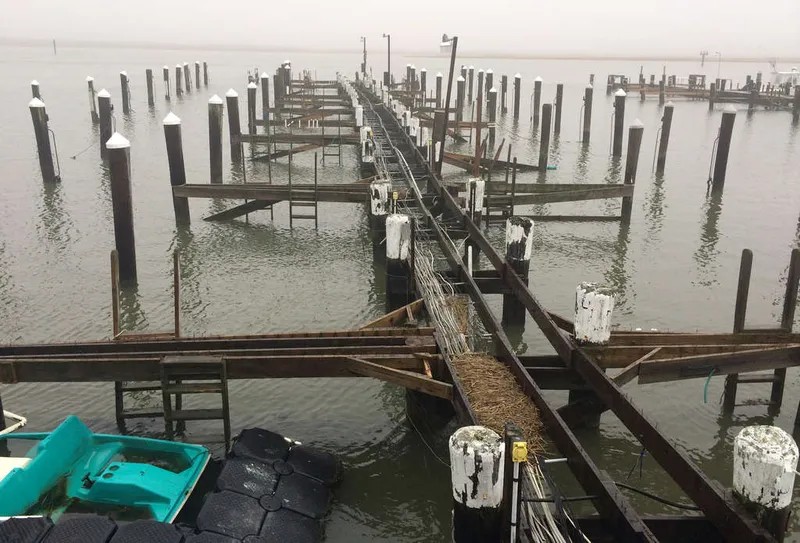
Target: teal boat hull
(72,468)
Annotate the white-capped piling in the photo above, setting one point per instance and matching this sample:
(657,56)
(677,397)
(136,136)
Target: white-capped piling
(559,100)
(252,88)
(460,90)
(519,249)
(587,114)
(148,75)
(475,190)
(119,163)
(481,92)
(215,108)
(537,100)
(165,71)
(359,115)
(42,133)
(439,90)
(796,105)
(197,74)
(234,126)
(663,141)
(492,107)
(35,91)
(104,108)
(661,93)
(124,83)
(178,80)
(489,81)
(619,122)
(764,466)
(723,147)
(544,139)
(423,84)
(517,94)
(92,99)
(470,79)
(379,192)
(477,474)
(398,260)
(593,308)
(635,133)
(712,96)
(177,168)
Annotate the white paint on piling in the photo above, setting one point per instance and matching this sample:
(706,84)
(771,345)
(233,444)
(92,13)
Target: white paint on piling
(589,86)
(460,79)
(252,85)
(36,103)
(620,92)
(264,75)
(34,82)
(729,109)
(489,71)
(539,79)
(398,237)
(166,67)
(637,124)
(231,94)
(379,197)
(480,186)
(764,464)
(359,114)
(123,72)
(517,76)
(439,75)
(215,100)
(171,119)
(593,308)
(103,94)
(520,230)
(476,467)
(89,78)
(117,141)
(669,104)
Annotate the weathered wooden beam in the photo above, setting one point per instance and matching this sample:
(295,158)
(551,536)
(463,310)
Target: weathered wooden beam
(693,367)
(286,152)
(620,356)
(573,218)
(397,316)
(251,191)
(775,336)
(406,379)
(488,162)
(238,211)
(319,139)
(612,191)
(667,528)
(631,371)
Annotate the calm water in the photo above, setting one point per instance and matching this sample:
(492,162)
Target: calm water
(675,269)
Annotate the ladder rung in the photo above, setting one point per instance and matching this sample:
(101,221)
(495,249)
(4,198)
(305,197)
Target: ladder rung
(140,388)
(303,203)
(194,388)
(759,379)
(300,216)
(197,414)
(146,413)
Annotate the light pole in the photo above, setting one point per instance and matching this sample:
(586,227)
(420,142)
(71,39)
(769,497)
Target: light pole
(388,60)
(364,62)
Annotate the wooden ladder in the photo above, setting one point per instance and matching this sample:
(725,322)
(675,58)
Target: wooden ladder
(307,199)
(194,374)
(499,202)
(778,377)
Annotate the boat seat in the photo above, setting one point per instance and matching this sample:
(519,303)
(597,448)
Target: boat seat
(8,464)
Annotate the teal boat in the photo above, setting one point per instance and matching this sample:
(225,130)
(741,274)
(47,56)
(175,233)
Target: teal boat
(72,469)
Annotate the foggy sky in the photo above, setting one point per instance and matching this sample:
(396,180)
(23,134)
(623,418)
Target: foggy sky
(523,27)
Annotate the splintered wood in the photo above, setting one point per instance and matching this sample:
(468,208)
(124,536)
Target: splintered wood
(496,397)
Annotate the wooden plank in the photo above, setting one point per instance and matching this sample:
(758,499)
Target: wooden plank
(617,191)
(632,370)
(562,322)
(406,379)
(538,188)
(397,316)
(692,367)
(238,211)
(275,192)
(319,139)
(631,338)
(573,218)
(286,152)
(621,356)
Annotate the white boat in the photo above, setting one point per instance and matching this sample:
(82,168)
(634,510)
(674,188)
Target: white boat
(446,45)
(781,78)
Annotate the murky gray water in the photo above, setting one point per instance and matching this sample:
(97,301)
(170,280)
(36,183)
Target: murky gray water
(675,269)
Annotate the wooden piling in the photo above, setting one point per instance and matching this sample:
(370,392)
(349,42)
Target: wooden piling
(423,83)
(398,257)
(126,92)
(148,75)
(661,93)
(537,100)
(559,100)
(92,99)
(215,137)
(492,114)
(594,305)
(104,108)
(619,122)
(712,96)
(35,92)
(517,94)
(796,104)
(166,83)
(723,147)
(178,80)
(176,289)
(252,88)
(544,140)
(122,204)
(519,248)
(187,77)
(587,114)
(489,81)
(470,78)
(42,133)
(205,73)
(460,90)
(265,101)
(177,169)
(739,316)
(197,74)
(503,93)
(663,142)
(439,90)
(234,127)
(477,475)
(635,133)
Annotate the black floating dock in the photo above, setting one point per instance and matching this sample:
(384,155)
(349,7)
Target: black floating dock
(269,490)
